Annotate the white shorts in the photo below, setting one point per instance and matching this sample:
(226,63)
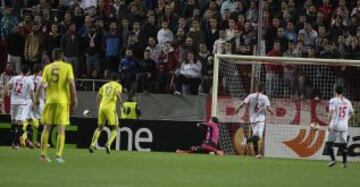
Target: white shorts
(334,134)
(19,112)
(35,113)
(258,128)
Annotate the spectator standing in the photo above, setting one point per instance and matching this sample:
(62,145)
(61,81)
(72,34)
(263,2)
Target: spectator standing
(112,45)
(92,44)
(167,68)
(15,45)
(52,40)
(219,41)
(70,43)
(273,71)
(196,34)
(33,46)
(309,34)
(146,75)
(290,32)
(128,68)
(7,23)
(149,29)
(155,49)
(188,76)
(211,33)
(203,56)
(290,71)
(164,34)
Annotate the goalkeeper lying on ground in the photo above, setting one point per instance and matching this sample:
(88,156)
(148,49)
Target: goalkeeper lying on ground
(211,140)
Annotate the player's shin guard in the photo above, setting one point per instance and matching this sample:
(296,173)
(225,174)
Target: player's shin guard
(330,150)
(95,137)
(60,145)
(344,152)
(44,142)
(112,136)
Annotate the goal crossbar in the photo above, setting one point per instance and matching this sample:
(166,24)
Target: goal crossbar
(246,59)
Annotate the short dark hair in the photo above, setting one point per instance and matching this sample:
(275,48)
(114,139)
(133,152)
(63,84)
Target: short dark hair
(37,68)
(260,87)
(57,54)
(114,76)
(215,119)
(25,69)
(339,89)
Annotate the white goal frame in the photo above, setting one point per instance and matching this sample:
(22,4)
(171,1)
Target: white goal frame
(246,59)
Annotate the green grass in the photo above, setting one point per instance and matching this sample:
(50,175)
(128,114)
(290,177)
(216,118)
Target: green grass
(131,169)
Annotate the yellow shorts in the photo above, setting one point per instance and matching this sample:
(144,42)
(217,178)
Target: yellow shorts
(108,114)
(56,114)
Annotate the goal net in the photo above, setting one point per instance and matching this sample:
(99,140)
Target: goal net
(298,88)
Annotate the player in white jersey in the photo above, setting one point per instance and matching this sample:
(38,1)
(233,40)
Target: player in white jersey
(22,88)
(258,104)
(36,109)
(340,111)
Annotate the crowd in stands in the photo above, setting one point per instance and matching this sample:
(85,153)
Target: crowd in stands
(168,46)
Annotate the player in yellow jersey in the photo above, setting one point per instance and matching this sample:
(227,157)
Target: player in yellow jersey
(108,95)
(59,85)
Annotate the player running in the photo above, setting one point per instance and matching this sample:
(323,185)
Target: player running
(34,115)
(258,104)
(210,145)
(108,95)
(340,112)
(22,89)
(58,82)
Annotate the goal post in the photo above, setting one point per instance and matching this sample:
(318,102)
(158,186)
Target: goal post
(298,88)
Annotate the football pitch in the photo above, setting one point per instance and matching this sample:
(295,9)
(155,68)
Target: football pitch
(22,168)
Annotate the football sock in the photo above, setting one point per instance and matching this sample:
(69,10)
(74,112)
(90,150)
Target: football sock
(14,132)
(95,137)
(25,125)
(44,142)
(112,137)
(20,133)
(255,144)
(344,152)
(35,123)
(330,150)
(60,145)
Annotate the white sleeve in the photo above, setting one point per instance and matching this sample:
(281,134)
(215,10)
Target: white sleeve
(331,105)
(247,99)
(30,84)
(12,81)
(351,109)
(267,102)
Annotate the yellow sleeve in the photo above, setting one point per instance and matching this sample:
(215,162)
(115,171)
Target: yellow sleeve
(70,73)
(44,75)
(119,88)
(101,91)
